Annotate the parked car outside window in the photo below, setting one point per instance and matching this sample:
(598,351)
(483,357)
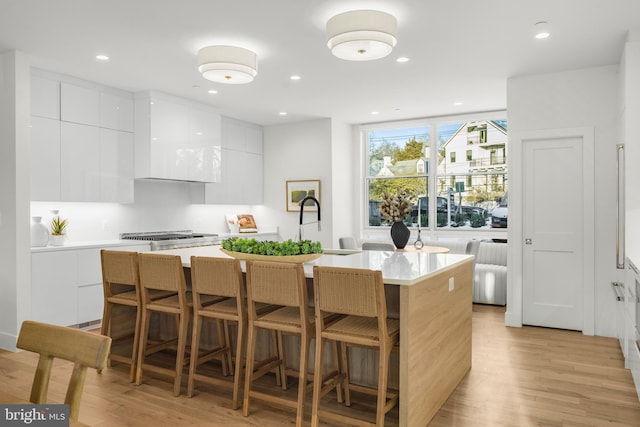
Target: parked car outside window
(499,214)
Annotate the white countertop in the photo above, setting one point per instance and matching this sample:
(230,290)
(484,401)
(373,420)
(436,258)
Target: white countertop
(88,245)
(398,268)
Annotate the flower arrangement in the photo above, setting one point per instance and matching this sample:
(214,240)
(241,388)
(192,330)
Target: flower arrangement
(395,207)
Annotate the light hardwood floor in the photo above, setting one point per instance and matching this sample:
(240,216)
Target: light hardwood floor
(520,377)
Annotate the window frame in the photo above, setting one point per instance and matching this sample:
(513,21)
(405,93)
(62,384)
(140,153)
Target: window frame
(431,174)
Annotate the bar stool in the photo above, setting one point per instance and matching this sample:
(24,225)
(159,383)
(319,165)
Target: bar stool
(222,278)
(163,272)
(121,286)
(284,285)
(359,295)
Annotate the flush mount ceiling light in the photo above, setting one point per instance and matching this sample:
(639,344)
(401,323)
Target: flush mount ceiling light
(227,64)
(362,35)
(541,30)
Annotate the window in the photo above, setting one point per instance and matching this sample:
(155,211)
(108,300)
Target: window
(421,160)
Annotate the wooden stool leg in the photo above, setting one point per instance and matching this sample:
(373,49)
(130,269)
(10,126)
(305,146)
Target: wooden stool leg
(222,343)
(183,330)
(305,342)
(240,357)
(283,361)
(345,370)
(249,368)
(383,374)
(144,332)
(227,343)
(274,346)
(104,328)
(135,350)
(317,383)
(195,348)
(336,367)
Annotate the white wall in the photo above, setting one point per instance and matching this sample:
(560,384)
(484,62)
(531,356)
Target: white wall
(580,98)
(344,167)
(15,255)
(299,151)
(159,205)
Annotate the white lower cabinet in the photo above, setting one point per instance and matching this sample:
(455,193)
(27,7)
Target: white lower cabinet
(54,283)
(66,284)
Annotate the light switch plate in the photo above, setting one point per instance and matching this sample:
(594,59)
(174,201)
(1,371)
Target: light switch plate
(451,284)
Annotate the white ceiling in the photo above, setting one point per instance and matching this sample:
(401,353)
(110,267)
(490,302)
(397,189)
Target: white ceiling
(460,50)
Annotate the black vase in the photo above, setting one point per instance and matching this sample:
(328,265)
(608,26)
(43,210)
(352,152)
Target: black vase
(400,234)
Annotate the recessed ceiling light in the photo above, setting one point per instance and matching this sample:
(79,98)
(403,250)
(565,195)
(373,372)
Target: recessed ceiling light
(102,57)
(457,103)
(541,30)
(295,77)
(375,112)
(283,113)
(212,91)
(402,59)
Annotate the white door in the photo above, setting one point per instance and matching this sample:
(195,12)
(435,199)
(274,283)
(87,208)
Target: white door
(553,219)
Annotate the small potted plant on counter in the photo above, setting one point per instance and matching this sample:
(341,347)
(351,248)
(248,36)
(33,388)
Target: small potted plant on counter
(58,226)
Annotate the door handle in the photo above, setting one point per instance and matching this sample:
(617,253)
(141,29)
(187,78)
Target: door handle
(528,241)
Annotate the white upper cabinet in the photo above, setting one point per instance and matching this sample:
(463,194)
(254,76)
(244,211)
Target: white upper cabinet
(79,104)
(241,165)
(45,97)
(176,139)
(82,143)
(204,146)
(45,159)
(116,166)
(80,162)
(116,111)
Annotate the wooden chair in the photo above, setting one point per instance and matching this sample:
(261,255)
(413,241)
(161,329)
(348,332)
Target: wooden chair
(121,286)
(164,273)
(284,285)
(358,294)
(84,349)
(221,278)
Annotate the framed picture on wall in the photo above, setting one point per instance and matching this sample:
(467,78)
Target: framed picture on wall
(298,190)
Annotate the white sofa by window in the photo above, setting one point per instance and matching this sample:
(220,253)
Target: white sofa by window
(490,273)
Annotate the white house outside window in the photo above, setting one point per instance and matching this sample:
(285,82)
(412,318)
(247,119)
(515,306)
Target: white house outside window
(462,162)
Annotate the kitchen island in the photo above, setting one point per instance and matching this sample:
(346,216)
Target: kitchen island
(434,304)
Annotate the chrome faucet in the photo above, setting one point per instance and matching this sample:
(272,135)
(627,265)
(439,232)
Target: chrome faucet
(302,203)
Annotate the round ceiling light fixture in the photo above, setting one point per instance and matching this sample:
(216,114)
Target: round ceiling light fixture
(362,35)
(227,64)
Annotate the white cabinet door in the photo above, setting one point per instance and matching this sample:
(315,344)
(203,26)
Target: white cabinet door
(252,182)
(204,146)
(169,140)
(45,159)
(79,104)
(253,140)
(45,97)
(116,112)
(54,278)
(80,162)
(233,134)
(89,291)
(116,166)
